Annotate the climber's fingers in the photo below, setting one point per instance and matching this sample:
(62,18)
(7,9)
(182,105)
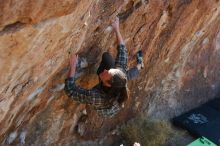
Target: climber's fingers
(125,2)
(115,22)
(118,11)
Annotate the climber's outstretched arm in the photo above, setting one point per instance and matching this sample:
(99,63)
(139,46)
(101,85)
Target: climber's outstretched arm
(121,60)
(81,95)
(116,28)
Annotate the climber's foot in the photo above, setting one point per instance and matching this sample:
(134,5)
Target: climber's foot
(82,63)
(80,66)
(140,62)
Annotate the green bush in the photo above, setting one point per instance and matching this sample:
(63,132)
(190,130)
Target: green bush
(147,132)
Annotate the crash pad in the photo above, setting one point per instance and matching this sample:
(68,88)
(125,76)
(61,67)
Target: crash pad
(202,121)
(202,141)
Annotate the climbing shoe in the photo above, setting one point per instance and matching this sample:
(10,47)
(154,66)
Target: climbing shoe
(81,63)
(140,59)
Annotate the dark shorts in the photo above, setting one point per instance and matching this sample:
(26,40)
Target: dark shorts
(107,62)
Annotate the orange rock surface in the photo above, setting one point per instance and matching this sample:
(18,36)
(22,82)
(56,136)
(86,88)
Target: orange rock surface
(180,40)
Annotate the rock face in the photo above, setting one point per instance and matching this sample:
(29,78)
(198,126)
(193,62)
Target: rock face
(181,44)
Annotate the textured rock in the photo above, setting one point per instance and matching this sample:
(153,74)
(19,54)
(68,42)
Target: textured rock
(181,44)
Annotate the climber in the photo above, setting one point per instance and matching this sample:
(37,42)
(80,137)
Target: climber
(109,95)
